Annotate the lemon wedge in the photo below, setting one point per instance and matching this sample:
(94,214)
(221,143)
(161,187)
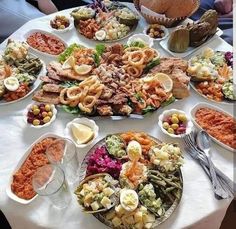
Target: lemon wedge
(69,63)
(165,80)
(81,133)
(82,69)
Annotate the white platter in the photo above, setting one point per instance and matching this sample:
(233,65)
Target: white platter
(190,50)
(26,35)
(35,85)
(207,105)
(19,164)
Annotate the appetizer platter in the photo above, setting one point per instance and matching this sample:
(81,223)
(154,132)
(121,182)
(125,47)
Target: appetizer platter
(45,43)
(218,124)
(187,38)
(131,180)
(20,188)
(19,72)
(112,80)
(212,75)
(105,20)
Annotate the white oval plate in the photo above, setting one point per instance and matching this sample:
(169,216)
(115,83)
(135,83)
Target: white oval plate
(33,87)
(26,35)
(19,164)
(207,105)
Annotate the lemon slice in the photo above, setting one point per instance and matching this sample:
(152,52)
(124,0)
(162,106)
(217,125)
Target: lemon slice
(83,69)
(165,80)
(82,133)
(69,63)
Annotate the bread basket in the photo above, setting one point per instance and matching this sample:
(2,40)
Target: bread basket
(167,22)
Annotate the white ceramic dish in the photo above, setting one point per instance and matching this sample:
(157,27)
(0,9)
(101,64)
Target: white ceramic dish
(207,105)
(158,39)
(53,109)
(88,122)
(190,50)
(45,32)
(166,113)
(148,40)
(19,164)
(70,27)
(33,87)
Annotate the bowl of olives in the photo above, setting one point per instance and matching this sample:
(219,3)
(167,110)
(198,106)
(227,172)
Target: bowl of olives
(40,115)
(175,123)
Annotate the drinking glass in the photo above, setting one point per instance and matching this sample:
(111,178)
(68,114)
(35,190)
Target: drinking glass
(49,181)
(62,152)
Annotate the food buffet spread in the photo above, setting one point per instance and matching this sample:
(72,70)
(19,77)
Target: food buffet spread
(129,179)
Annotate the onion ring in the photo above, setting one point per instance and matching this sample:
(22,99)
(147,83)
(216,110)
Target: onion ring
(149,54)
(134,71)
(62,96)
(89,101)
(84,109)
(131,49)
(136,58)
(71,93)
(73,103)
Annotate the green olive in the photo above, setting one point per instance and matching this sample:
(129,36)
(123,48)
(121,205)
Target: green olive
(165,125)
(36,111)
(34,107)
(36,122)
(175,126)
(47,107)
(50,114)
(174,119)
(170,131)
(46,119)
(182,117)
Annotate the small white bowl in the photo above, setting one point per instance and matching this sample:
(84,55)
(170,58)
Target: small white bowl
(62,30)
(53,109)
(157,39)
(88,122)
(168,113)
(148,40)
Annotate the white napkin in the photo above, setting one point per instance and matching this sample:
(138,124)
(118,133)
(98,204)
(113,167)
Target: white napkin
(147,11)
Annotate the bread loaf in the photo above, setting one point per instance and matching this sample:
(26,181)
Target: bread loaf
(158,6)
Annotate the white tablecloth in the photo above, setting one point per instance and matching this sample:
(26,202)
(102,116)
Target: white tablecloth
(198,207)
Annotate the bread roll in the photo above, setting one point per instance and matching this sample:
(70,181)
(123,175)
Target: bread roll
(158,6)
(179,8)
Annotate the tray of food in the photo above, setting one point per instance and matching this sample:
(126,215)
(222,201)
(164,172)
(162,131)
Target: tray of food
(20,188)
(188,38)
(218,124)
(19,72)
(212,75)
(45,43)
(131,180)
(113,80)
(105,21)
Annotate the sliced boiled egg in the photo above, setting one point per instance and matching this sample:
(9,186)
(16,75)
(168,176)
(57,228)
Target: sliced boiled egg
(11,83)
(100,35)
(81,133)
(134,150)
(129,199)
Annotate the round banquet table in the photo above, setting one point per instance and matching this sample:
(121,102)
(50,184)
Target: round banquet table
(198,207)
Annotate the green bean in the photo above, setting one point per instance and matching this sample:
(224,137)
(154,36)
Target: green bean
(162,183)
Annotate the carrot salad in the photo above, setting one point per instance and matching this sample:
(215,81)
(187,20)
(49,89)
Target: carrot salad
(218,125)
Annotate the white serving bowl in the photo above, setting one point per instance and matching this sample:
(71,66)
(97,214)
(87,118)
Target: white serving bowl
(148,40)
(88,122)
(168,113)
(157,39)
(62,30)
(53,109)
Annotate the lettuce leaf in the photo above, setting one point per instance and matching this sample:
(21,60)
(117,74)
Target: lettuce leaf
(71,110)
(153,63)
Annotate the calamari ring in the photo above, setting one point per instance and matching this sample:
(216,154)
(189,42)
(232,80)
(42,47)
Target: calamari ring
(84,92)
(136,58)
(94,86)
(88,81)
(89,101)
(149,54)
(62,96)
(84,109)
(134,71)
(74,93)
(131,49)
(73,103)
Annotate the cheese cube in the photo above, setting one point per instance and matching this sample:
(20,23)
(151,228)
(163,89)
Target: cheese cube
(148,218)
(148,225)
(119,210)
(88,199)
(138,225)
(82,192)
(106,202)
(116,222)
(129,220)
(138,216)
(95,206)
(108,191)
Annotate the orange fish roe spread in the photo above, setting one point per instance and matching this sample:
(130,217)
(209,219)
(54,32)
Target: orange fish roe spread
(22,179)
(219,125)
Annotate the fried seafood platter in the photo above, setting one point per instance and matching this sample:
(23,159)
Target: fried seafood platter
(19,71)
(112,80)
(131,180)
